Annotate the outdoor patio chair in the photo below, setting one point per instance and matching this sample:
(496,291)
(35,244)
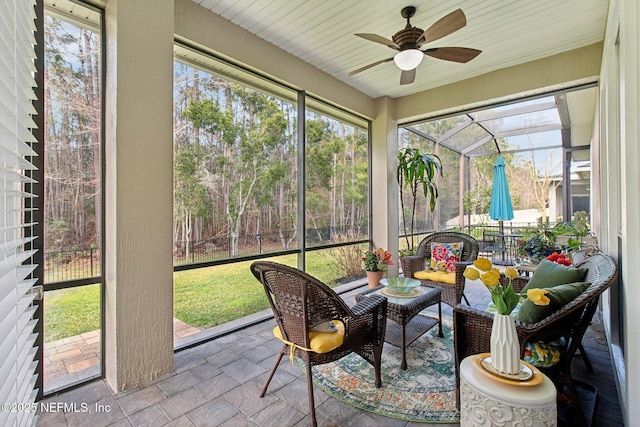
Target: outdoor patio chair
(302,306)
(472,327)
(452,294)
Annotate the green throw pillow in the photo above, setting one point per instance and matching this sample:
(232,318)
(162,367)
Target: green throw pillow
(558,295)
(549,274)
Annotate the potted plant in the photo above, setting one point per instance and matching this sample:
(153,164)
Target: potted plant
(417,172)
(570,235)
(375,264)
(580,225)
(539,245)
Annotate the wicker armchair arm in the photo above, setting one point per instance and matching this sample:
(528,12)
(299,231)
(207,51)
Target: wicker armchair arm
(518,283)
(460,266)
(368,305)
(477,319)
(412,264)
(369,319)
(473,330)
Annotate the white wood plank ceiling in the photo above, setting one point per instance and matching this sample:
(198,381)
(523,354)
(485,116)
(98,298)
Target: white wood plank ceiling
(509,32)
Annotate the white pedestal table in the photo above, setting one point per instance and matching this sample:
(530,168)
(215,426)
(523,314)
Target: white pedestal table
(486,400)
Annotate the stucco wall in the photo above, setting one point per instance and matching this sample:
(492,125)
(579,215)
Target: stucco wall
(139,192)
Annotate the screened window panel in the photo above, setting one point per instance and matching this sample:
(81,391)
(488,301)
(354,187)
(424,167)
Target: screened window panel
(522,123)
(336,202)
(17,336)
(534,141)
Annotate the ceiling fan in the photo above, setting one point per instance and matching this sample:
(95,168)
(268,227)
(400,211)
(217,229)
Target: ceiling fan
(409,41)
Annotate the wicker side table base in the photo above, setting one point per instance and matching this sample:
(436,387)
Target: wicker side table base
(405,325)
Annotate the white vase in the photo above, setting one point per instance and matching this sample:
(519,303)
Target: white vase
(505,347)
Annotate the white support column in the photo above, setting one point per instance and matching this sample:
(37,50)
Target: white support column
(630,202)
(139,192)
(383,180)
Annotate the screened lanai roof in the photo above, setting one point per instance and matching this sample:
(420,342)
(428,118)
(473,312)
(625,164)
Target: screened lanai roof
(556,121)
(551,133)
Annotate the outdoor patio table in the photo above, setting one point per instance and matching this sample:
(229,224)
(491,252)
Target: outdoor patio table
(527,269)
(406,327)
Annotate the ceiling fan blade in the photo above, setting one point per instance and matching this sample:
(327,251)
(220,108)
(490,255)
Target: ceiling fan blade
(366,67)
(407,76)
(379,39)
(445,26)
(454,54)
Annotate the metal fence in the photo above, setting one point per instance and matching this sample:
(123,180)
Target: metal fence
(502,243)
(61,266)
(217,249)
(77,264)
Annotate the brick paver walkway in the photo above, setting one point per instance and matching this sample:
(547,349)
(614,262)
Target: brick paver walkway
(74,358)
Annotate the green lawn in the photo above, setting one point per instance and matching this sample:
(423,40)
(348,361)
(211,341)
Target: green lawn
(203,297)
(69,312)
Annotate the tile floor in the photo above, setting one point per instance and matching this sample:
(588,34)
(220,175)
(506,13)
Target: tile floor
(218,383)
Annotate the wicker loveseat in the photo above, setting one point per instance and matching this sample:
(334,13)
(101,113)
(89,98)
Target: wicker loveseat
(472,327)
(451,294)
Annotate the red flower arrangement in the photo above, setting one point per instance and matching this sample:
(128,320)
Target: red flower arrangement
(377,260)
(559,258)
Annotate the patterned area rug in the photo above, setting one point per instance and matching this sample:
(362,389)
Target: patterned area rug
(425,392)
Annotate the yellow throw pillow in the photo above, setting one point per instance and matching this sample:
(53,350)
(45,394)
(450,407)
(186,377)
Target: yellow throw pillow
(321,342)
(436,276)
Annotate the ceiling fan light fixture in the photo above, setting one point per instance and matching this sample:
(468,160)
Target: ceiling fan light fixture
(408,59)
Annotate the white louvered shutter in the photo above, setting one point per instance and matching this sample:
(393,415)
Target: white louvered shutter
(17,336)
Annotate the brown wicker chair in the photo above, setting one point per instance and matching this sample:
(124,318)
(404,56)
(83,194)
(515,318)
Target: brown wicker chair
(472,327)
(299,301)
(451,294)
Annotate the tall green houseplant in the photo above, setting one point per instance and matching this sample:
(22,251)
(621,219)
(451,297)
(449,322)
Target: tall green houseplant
(417,172)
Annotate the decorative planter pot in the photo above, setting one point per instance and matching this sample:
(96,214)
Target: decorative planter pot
(373,278)
(505,347)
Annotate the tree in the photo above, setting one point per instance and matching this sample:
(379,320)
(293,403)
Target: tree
(535,179)
(243,134)
(191,200)
(416,172)
(72,149)
(336,179)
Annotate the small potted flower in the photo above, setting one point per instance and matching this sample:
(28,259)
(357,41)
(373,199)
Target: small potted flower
(375,263)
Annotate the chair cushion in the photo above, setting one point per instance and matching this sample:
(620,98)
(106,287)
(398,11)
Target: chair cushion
(326,326)
(443,255)
(549,274)
(558,297)
(436,276)
(320,342)
(544,354)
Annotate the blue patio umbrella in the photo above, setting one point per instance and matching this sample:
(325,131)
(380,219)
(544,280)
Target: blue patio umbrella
(500,207)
